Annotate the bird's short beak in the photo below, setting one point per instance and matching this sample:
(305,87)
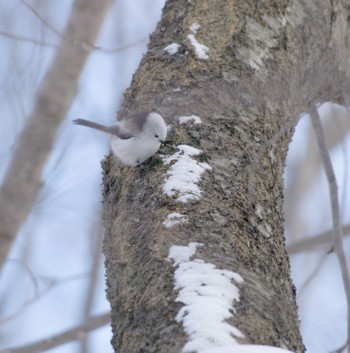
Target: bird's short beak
(162,142)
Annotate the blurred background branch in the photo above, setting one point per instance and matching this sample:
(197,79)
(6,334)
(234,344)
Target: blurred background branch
(55,96)
(338,242)
(92,323)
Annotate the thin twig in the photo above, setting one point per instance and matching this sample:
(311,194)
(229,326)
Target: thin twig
(29,272)
(27,39)
(47,24)
(51,283)
(92,47)
(96,247)
(84,45)
(341,348)
(73,334)
(336,217)
(313,274)
(325,238)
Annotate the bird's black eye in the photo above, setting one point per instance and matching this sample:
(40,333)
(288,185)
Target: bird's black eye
(156,136)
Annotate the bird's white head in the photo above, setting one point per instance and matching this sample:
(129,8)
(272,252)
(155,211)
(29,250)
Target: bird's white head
(155,127)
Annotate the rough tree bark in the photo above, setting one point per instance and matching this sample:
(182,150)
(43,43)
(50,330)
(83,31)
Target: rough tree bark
(267,62)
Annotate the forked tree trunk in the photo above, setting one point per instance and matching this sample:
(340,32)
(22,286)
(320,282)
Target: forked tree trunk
(267,62)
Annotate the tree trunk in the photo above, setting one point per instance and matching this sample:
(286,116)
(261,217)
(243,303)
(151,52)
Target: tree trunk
(265,64)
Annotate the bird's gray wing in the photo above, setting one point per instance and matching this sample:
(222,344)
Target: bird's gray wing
(133,123)
(113,130)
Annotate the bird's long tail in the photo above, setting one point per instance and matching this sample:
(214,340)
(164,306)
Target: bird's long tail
(93,125)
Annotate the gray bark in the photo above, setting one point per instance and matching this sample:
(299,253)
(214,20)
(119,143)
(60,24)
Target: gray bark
(268,62)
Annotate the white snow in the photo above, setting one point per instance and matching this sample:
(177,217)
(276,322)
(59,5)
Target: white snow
(187,118)
(184,174)
(175,218)
(247,348)
(201,50)
(179,253)
(194,28)
(172,48)
(208,295)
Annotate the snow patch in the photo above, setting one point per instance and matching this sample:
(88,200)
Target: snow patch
(194,27)
(185,119)
(172,48)
(208,295)
(248,348)
(184,174)
(179,253)
(201,50)
(175,218)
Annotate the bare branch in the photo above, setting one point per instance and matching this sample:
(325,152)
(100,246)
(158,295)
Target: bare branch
(55,96)
(336,217)
(308,165)
(51,283)
(91,47)
(122,48)
(325,238)
(341,348)
(25,39)
(93,323)
(83,44)
(313,274)
(97,235)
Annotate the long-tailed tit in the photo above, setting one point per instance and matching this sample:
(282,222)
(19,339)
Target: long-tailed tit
(134,138)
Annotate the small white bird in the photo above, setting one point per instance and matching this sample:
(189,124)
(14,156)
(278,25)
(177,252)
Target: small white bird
(134,138)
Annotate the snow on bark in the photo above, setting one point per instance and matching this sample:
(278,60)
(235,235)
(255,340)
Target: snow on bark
(172,48)
(208,294)
(189,118)
(175,218)
(200,50)
(184,174)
